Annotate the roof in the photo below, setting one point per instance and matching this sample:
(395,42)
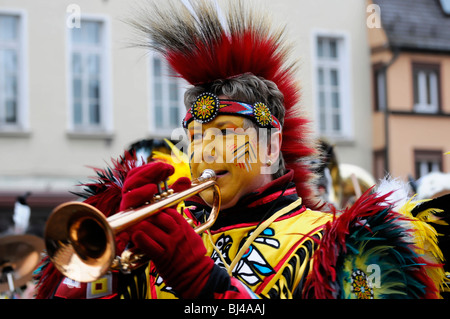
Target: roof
(415,24)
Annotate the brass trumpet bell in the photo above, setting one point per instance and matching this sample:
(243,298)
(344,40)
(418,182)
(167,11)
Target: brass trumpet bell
(80,240)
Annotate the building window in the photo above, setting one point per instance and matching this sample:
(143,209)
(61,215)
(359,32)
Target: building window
(380,88)
(88,76)
(426,162)
(167,106)
(11,77)
(332,80)
(426,88)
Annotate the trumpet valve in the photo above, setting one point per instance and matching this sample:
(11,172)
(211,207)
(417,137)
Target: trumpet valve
(163,193)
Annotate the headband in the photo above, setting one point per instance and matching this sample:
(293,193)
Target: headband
(207,106)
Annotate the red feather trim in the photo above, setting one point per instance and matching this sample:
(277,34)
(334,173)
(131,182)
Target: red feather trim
(105,193)
(47,279)
(229,56)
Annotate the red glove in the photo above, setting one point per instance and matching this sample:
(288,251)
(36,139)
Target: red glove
(139,188)
(141,183)
(176,250)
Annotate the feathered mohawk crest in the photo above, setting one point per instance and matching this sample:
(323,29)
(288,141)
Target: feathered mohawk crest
(202,46)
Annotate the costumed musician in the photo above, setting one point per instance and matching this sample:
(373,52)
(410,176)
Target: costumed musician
(270,240)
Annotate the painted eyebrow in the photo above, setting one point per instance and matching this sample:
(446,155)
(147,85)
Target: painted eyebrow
(226,123)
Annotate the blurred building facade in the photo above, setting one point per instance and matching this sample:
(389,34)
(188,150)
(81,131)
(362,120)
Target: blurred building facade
(410,57)
(74,94)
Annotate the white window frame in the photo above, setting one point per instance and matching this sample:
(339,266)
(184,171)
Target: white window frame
(428,161)
(167,130)
(423,106)
(22,125)
(106,107)
(343,65)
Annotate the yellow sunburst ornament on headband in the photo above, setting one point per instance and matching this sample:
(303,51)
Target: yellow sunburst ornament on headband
(262,114)
(205,107)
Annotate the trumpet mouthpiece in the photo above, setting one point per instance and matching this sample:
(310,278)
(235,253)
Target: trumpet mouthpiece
(207,174)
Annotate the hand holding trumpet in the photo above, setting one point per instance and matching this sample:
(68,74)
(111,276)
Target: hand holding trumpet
(141,184)
(166,238)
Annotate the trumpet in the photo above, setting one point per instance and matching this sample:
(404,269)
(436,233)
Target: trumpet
(80,240)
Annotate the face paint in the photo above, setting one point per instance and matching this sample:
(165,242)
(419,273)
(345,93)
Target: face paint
(244,155)
(232,152)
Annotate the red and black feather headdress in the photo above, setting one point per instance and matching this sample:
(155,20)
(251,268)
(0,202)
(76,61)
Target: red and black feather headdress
(202,46)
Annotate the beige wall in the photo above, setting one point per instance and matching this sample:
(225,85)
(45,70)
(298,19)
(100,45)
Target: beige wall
(411,133)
